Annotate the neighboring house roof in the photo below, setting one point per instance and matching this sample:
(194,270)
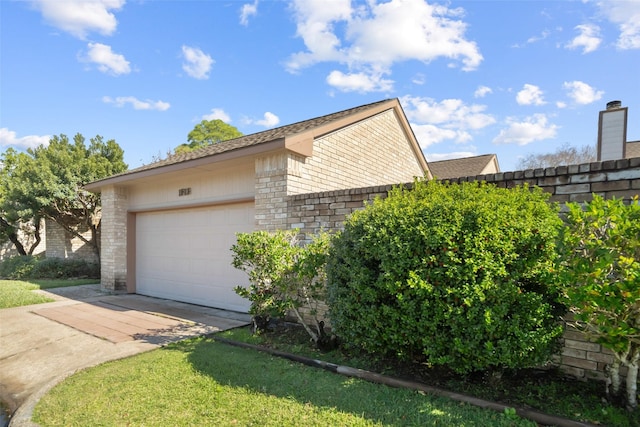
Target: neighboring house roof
(297,137)
(467,166)
(632,149)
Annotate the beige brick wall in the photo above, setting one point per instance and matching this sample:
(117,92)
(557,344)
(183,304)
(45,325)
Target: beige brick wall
(579,356)
(113,265)
(374,151)
(8,249)
(271,191)
(63,244)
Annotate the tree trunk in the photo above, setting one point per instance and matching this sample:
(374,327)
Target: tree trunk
(13,237)
(632,381)
(10,232)
(614,374)
(36,235)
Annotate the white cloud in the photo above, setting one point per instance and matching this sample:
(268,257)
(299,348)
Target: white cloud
(449,119)
(435,157)
(359,82)
(197,63)
(375,35)
(530,95)
(217,114)
(589,38)
(121,101)
(106,60)
(8,138)
(248,9)
(626,14)
(270,120)
(542,36)
(428,135)
(533,128)
(482,91)
(80,17)
(581,93)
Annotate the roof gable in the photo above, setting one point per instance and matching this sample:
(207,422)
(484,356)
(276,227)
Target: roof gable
(297,137)
(466,166)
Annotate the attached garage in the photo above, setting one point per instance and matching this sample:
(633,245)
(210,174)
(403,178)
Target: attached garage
(184,254)
(167,227)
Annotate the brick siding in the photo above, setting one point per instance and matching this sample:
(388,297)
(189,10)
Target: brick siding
(62,244)
(579,357)
(113,264)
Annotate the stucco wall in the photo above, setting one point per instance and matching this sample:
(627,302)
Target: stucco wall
(213,184)
(615,178)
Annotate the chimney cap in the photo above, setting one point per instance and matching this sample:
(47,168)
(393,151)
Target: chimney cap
(614,104)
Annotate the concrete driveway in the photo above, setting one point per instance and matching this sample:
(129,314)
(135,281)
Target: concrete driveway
(42,344)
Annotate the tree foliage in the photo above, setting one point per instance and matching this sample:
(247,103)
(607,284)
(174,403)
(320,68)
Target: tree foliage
(208,132)
(46,182)
(563,156)
(284,276)
(601,269)
(453,275)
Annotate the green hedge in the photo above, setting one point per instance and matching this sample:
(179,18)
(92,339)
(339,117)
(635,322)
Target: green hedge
(455,275)
(31,267)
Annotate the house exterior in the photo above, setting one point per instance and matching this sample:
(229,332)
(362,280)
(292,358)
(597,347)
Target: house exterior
(466,166)
(167,227)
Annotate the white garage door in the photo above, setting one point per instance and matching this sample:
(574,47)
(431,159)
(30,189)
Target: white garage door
(185,254)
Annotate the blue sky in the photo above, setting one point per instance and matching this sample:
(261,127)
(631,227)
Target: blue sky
(473,77)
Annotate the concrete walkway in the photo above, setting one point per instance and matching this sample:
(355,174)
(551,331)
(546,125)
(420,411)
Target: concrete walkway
(42,344)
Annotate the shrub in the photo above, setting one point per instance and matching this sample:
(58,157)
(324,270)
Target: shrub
(30,267)
(455,275)
(17,267)
(284,276)
(59,268)
(601,269)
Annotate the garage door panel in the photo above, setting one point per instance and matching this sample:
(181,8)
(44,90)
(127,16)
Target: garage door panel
(185,254)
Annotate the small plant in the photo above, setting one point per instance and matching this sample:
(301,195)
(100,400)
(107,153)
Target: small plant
(284,276)
(601,271)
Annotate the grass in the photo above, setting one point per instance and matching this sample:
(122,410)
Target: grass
(16,293)
(202,382)
(544,390)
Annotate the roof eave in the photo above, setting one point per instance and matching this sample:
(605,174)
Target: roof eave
(274,145)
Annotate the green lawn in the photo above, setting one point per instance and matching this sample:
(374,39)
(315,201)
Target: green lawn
(16,293)
(201,382)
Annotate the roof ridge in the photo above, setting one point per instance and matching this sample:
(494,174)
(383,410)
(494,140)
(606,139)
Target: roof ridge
(253,138)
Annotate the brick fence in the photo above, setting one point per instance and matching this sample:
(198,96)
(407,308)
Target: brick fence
(576,183)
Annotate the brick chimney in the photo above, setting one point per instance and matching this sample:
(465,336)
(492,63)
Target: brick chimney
(612,132)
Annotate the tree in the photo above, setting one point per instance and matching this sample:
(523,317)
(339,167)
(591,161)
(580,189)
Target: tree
(16,216)
(46,182)
(208,132)
(600,265)
(563,156)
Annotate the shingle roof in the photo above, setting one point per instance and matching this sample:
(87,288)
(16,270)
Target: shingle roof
(467,166)
(632,149)
(254,139)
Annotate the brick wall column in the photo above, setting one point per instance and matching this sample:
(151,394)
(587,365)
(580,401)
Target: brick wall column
(56,238)
(113,259)
(271,192)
